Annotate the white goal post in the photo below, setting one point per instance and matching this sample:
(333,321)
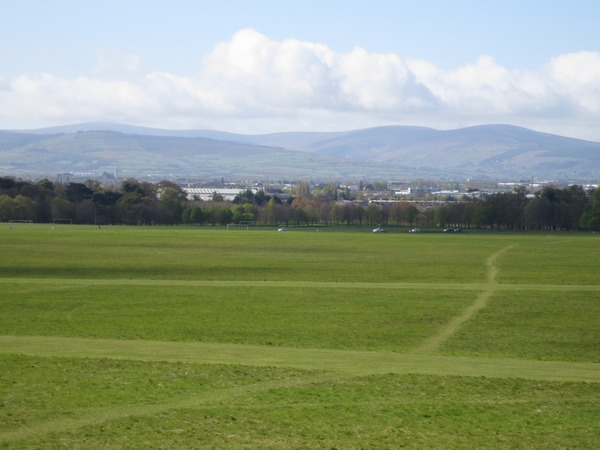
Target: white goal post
(250,223)
(19,222)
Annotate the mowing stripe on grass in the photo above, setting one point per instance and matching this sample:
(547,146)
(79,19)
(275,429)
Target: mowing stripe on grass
(341,361)
(296,284)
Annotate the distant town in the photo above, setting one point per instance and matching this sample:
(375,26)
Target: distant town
(522,205)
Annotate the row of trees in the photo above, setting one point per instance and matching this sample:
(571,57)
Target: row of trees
(134,202)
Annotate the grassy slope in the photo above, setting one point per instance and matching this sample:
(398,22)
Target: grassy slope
(90,403)
(312,317)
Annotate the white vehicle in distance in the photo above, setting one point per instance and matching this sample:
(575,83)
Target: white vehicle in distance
(414,230)
(378,230)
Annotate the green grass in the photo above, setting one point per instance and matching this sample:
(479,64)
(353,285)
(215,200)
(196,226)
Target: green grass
(87,403)
(552,259)
(557,325)
(201,254)
(283,316)
(161,337)
(53,388)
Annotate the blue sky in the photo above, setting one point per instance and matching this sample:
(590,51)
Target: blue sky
(264,66)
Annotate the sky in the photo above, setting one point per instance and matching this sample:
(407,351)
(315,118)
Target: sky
(261,66)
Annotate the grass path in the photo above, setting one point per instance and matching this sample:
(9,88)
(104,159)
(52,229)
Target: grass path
(351,363)
(480,302)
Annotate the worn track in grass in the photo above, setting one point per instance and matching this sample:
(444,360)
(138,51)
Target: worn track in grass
(349,362)
(480,302)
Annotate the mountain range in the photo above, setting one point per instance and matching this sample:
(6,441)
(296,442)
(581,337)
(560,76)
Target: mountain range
(492,152)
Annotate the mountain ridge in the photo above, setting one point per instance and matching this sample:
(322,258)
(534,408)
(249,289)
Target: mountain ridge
(485,151)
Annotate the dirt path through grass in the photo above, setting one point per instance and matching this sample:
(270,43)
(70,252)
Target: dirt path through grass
(434,342)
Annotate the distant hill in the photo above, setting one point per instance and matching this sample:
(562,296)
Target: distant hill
(39,155)
(391,152)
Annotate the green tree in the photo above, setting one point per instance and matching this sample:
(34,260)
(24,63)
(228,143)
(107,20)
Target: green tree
(328,192)
(217,198)
(7,184)
(243,213)
(222,215)
(268,213)
(198,215)
(171,202)
(442,215)
(132,185)
(105,202)
(411,213)
(75,192)
(397,213)
(261,198)
(41,193)
(62,209)
(134,208)
(323,209)
(483,214)
(578,199)
(7,208)
(590,219)
(374,214)
(299,215)
(303,189)
(336,213)
(25,208)
(539,213)
(246,196)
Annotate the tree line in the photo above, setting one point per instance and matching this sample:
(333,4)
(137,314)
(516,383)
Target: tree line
(165,203)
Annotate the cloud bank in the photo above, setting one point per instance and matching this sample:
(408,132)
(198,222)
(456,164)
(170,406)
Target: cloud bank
(253,84)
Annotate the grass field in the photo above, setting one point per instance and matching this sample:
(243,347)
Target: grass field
(162,337)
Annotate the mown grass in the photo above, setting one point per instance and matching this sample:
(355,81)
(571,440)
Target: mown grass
(216,254)
(553,325)
(50,388)
(126,404)
(200,254)
(343,318)
(563,259)
(315,319)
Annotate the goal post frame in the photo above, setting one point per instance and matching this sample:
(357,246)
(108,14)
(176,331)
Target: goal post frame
(60,221)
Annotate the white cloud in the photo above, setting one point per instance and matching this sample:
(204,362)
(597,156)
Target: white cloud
(252,83)
(251,71)
(576,77)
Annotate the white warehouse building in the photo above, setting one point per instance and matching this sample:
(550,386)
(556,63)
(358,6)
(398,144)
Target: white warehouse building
(207,194)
